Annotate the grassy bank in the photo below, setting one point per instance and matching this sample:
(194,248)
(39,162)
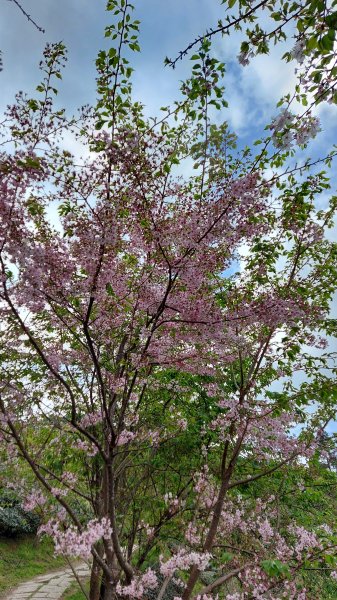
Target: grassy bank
(23,559)
(74,593)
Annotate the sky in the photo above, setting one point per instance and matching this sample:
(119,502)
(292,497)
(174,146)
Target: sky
(167,26)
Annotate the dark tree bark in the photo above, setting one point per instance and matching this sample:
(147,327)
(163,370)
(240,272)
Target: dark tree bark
(95,581)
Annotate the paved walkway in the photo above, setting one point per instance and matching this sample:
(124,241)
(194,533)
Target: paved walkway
(48,587)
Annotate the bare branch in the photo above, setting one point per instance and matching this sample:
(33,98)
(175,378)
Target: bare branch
(28,16)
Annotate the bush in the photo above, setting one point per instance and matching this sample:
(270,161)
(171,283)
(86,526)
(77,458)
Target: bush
(14,520)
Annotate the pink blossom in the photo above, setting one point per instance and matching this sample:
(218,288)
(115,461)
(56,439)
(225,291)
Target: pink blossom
(138,585)
(58,492)
(192,535)
(304,540)
(266,531)
(183,560)
(91,419)
(125,437)
(71,542)
(34,499)
(87,447)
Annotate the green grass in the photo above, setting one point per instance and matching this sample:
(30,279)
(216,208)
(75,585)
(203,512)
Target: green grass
(74,593)
(23,559)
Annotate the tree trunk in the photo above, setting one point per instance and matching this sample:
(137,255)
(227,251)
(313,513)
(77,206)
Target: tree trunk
(226,475)
(95,581)
(109,589)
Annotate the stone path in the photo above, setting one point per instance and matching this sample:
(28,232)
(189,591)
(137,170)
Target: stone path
(47,587)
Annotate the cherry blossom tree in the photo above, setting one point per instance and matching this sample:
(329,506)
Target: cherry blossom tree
(146,316)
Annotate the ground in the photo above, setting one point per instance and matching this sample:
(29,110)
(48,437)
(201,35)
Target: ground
(29,569)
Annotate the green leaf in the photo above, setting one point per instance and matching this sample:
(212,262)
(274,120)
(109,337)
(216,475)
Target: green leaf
(109,289)
(311,43)
(326,43)
(275,568)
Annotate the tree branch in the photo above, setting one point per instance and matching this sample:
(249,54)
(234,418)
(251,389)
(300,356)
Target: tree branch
(28,16)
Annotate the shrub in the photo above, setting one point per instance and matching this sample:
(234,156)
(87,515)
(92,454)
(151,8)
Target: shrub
(14,520)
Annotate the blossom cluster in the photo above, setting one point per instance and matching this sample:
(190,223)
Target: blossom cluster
(285,132)
(71,542)
(183,560)
(34,499)
(136,589)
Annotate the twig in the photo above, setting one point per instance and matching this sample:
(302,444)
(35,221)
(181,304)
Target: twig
(77,577)
(28,16)
(163,587)
(210,33)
